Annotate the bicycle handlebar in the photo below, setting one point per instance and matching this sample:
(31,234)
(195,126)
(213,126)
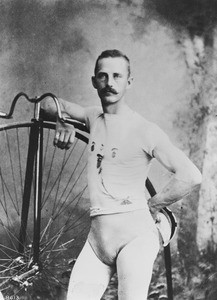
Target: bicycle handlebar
(35,100)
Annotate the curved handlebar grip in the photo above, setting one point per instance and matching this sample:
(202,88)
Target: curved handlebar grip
(35,101)
(55,99)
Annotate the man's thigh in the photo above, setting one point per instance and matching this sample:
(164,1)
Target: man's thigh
(134,267)
(89,277)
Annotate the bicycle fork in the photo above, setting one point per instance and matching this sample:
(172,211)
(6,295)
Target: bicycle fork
(33,171)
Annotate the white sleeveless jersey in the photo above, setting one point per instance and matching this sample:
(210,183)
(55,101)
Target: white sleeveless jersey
(120,151)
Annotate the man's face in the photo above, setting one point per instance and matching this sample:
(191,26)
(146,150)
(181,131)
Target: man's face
(111,79)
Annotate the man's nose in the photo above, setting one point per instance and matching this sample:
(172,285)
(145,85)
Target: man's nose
(110,81)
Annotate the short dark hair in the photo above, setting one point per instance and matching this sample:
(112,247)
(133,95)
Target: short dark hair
(112,53)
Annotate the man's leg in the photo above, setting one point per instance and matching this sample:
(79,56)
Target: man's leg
(134,268)
(90,277)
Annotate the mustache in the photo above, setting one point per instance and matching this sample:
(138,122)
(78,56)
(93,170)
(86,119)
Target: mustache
(109,90)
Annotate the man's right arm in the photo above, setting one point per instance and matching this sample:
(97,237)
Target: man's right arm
(68,109)
(65,133)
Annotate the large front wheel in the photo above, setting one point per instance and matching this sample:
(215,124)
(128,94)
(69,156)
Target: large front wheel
(64,212)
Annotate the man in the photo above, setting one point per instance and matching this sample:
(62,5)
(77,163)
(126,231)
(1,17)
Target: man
(123,235)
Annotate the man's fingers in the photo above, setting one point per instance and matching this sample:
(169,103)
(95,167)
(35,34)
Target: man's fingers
(70,140)
(64,139)
(56,138)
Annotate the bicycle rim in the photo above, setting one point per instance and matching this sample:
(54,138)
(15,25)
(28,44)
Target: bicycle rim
(64,213)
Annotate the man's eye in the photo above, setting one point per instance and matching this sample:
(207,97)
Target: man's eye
(101,76)
(117,75)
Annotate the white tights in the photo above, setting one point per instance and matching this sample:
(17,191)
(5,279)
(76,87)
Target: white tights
(134,263)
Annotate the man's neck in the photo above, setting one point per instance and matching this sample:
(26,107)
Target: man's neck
(116,108)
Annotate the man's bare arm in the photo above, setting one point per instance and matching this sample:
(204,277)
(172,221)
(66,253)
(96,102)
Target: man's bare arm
(68,109)
(65,133)
(186,176)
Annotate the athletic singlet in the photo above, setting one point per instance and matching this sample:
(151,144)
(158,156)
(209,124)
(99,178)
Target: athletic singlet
(120,151)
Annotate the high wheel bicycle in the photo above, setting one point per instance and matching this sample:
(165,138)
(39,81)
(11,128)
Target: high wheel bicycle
(44,205)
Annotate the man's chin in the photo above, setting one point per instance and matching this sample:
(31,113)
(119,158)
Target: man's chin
(109,98)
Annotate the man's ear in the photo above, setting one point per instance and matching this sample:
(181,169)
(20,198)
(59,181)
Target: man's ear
(129,81)
(93,78)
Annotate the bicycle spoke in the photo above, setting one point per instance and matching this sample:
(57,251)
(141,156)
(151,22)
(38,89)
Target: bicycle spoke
(53,186)
(78,196)
(3,203)
(4,180)
(48,175)
(19,161)
(13,174)
(58,182)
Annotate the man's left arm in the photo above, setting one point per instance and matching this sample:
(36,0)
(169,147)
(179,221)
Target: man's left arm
(185,178)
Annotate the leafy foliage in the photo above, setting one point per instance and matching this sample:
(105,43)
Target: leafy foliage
(202,283)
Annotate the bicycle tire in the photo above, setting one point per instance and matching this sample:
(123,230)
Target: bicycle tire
(64,214)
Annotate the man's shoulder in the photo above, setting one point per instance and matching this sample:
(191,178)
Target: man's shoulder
(94,108)
(149,130)
(93,111)
(145,123)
